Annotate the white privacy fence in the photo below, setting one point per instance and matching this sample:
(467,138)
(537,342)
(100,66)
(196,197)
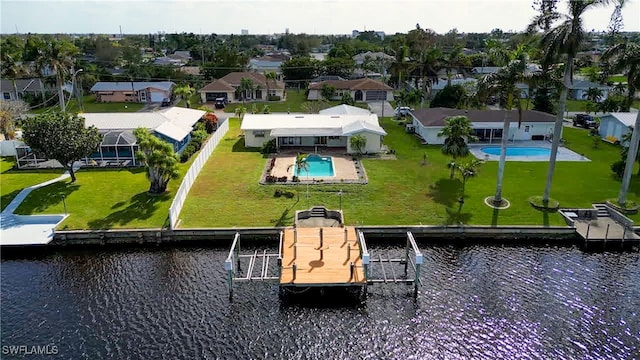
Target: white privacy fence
(194,170)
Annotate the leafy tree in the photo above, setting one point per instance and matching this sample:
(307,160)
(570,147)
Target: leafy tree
(185,92)
(625,56)
(159,159)
(450,96)
(328,91)
(240,111)
(270,78)
(455,60)
(594,94)
(457,131)
(266,109)
(358,143)
(62,137)
(300,69)
(59,55)
(11,64)
(338,66)
(10,113)
(347,99)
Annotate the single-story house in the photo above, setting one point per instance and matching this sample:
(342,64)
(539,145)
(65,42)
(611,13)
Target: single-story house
(227,87)
(437,87)
(379,56)
(312,130)
(132,91)
(34,86)
(614,126)
(360,89)
(579,88)
(119,145)
(488,124)
(266,63)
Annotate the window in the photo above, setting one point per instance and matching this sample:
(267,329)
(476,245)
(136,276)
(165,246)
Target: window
(6,95)
(526,128)
(320,140)
(291,140)
(258,133)
(334,137)
(272,93)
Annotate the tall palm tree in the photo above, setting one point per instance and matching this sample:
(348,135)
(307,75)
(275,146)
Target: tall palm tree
(564,39)
(270,77)
(625,57)
(59,55)
(427,66)
(504,83)
(185,92)
(400,67)
(246,86)
(240,111)
(457,131)
(454,60)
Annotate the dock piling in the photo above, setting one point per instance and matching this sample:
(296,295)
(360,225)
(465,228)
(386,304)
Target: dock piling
(351,268)
(588,228)
(606,233)
(294,268)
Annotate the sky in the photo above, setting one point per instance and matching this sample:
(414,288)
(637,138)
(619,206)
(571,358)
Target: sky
(275,16)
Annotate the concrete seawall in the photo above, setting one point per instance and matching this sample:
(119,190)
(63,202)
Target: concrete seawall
(437,234)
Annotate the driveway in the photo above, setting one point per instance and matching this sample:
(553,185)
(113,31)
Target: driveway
(381,109)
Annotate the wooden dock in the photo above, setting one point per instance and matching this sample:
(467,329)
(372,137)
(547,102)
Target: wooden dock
(321,256)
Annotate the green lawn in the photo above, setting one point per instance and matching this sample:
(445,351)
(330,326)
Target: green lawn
(618,78)
(403,191)
(12,181)
(101,199)
(91,106)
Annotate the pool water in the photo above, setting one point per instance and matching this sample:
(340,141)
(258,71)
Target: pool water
(316,166)
(518,151)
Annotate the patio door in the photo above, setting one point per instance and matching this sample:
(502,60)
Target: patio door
(320,140)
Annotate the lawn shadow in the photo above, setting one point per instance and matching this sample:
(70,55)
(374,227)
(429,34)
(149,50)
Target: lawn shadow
(142,206)
(494,217)
(6,198)
(238,146)
(545,218)
(50,195)
(456,216)
(285,218)
(445,191)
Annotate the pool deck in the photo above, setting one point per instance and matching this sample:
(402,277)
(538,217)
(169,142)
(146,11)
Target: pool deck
(343,168)
(564,154)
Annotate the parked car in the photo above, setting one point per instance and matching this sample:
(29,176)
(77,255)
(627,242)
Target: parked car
(402,111)
(166,102)
(221,103)
(585,121)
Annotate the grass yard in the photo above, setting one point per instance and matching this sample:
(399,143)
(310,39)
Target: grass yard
(13,181)
(400,191)
(617,79)
(101,198)
(91,106)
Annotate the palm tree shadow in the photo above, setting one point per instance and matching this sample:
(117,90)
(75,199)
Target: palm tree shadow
(285,218)
(445,191)
(141,206)
(456,216)
(545,218)
(494,217)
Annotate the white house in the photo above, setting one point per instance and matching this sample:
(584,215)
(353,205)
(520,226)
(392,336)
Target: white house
(488,124)
(313,130)
(614,126)
(345,110)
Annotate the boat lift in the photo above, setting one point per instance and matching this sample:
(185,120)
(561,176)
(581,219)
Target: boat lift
(377,269)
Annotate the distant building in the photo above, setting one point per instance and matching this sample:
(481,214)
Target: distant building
(360,90)
(23,87)
(226,87)
(244,32)
(132,91)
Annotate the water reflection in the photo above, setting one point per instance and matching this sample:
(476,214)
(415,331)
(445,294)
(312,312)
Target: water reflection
(475,302)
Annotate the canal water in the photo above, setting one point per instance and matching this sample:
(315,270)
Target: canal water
(479,302)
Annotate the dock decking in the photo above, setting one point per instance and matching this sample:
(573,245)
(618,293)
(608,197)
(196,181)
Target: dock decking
(322,257)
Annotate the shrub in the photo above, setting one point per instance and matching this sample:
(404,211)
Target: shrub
(199,126)
(273,98)
(269,147)
(270,179)
(282,179)
(618,168)
(210,121)
(187,152)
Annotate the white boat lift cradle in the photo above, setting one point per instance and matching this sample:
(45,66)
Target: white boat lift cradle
(323,257)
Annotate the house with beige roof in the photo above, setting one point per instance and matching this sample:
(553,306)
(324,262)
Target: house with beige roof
(227,87)
(359,89)
(487,124)
(329,130)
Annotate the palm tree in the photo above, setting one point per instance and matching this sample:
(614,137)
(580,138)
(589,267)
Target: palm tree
(594,94)
(270,77)
(400,66)
(455,59)
(565,39)
(427,67)
(457,131)
(185,92)
(240,111)
(631,156)
(246,85)
(625,56)
(469,169)
(300,164)
(59,55)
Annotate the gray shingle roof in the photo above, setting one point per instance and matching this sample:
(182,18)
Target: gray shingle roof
(137,85)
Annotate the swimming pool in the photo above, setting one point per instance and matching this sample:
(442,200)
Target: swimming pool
(517,151)
(317,166)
